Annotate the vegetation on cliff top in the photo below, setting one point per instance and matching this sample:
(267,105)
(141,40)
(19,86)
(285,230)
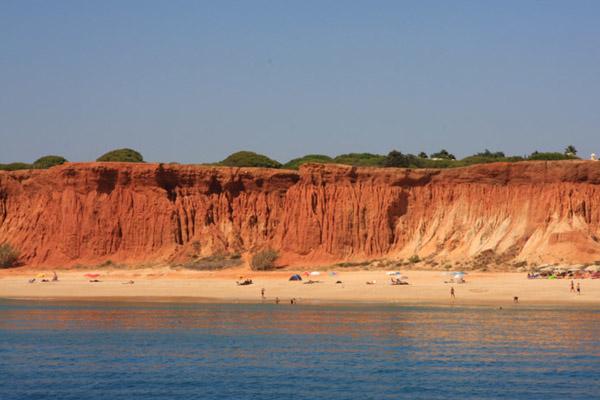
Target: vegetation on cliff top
(122,155)
(41,163)
(48,162)
(309,158)
(394,159)
(249,159)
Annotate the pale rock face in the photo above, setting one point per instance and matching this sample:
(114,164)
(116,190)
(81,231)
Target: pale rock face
(540,212)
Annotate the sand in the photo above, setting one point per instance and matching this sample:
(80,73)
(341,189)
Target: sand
(426,287)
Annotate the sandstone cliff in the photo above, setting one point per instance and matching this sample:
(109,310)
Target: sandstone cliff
(134,213)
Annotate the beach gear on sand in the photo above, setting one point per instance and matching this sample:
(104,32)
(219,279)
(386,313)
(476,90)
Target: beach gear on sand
(295,277)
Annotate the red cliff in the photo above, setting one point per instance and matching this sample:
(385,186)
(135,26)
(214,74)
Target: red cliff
(135,213)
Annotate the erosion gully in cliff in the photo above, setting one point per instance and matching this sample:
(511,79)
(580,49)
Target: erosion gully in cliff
(86,213)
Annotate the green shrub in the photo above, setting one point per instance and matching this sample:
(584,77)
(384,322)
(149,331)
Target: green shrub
(264,260)
(439,163)
(360,159)
(489,154)
(48,162)
(249,159)
(15,166)
(8,256)
(122,155)
(550,156)
(571,151)
(477,159)
(414,259)
(396,159)
(444,155)
(309,158)
(214,262)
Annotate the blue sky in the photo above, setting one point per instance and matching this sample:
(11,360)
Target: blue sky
(193,81)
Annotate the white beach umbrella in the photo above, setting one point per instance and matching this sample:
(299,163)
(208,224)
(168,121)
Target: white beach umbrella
(315,273)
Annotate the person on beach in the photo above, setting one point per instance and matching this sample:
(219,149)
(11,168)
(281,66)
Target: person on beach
(452,292)
(54,277)
(262,293)
(293,301)
(578,288)
(572,286)
(276,300)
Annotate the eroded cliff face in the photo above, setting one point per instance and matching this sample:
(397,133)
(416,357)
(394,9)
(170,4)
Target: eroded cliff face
(136,213)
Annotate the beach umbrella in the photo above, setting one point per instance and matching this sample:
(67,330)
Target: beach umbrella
(306,273)
(332,273)
(391,273)
(92,275)
(41,275)
(315,273)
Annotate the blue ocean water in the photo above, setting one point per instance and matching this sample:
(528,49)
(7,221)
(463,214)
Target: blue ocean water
(96,350)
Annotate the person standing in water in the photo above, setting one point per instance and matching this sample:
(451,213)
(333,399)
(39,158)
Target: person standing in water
(452,292)
(262,293)
(578,288)
(572,286)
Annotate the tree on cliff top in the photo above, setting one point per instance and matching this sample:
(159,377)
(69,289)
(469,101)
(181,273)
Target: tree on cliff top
(399,160)
(443,155)
(570,151)
(48,162)
(249,159)
(309,158)
(122,155)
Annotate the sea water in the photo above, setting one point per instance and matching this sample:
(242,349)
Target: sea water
(108,350)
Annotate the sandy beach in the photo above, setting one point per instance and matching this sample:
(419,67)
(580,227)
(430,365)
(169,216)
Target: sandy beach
(426,287)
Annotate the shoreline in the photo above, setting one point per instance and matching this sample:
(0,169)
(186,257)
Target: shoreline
(132,300)
(426,288)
